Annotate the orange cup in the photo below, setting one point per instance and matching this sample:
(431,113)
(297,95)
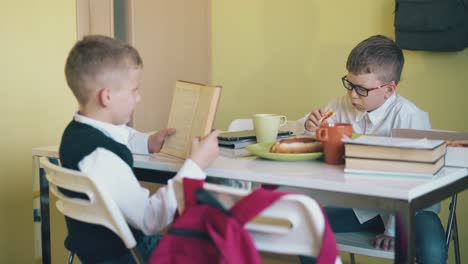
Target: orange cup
(333,146)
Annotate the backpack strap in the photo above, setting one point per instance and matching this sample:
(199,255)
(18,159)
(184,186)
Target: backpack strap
(328,251)
(251,205)
(190,186)
(204,197)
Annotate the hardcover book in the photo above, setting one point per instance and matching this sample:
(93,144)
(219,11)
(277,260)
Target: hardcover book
(393,167)
(393,148)
(192,114)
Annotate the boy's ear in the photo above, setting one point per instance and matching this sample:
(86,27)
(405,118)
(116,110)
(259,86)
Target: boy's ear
(390,89)
(104,96)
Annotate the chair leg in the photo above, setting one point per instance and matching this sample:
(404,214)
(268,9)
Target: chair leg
(351,258)
(70,257)
(452,229)
(456,244)
(450,223)
(137,256)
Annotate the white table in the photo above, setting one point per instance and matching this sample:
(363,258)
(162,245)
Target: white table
(329,185)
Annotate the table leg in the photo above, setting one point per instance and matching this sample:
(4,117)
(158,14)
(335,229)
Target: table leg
(42,186)
(404,244)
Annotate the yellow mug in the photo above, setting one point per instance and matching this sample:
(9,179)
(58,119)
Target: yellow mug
(267,125)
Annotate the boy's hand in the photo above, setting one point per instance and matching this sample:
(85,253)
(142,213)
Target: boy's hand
(384,242)
(156,141)
(205,150)
(312,122)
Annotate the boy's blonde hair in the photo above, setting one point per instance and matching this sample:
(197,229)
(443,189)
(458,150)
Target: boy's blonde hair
(94,56)
(379,55)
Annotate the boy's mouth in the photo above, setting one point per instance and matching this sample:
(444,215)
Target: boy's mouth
(358,106)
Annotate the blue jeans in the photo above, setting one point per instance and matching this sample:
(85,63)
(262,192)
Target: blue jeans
(145,248)
(429,233)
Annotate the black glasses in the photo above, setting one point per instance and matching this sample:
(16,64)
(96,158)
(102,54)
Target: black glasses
(361,90)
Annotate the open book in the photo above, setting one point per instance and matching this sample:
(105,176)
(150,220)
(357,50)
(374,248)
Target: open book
(192,114)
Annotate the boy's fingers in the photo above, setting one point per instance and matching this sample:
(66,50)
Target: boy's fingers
(195,142)
(377,242)
(392,244)
(309,125)
(214,134)
(385,242)
(170,131)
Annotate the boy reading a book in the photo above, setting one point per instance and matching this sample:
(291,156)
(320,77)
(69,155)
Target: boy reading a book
(104,74)
(372,106)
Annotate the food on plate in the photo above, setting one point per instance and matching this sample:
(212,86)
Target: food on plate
(297,145)
(457,143)
(325,116)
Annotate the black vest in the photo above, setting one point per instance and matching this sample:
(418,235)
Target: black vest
(92,243)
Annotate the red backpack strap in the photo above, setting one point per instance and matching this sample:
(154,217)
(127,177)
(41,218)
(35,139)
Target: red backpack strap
(251,205)
(329,250)
(190,186)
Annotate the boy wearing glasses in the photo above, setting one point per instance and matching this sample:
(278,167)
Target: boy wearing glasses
(372,106)
(371,103)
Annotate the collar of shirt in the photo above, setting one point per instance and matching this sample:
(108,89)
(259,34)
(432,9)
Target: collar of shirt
(376,115)
(118,133)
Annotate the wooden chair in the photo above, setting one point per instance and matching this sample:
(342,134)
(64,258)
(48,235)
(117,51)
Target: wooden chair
(293,225)
(100,209)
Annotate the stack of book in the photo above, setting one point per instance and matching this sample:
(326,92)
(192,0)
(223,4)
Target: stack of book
(233,144)
(377,155)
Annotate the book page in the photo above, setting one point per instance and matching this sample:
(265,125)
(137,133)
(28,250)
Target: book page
(182,112)
(192,115)
(423,143)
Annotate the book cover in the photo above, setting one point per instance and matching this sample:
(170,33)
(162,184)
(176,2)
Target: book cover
(378,166)
(245,135)
(192,114)
(235,144)
(404,149)
(230,152)
(456,156)
(234,141)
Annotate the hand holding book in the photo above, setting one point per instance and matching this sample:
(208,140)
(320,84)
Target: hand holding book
(156,140)
(205,150)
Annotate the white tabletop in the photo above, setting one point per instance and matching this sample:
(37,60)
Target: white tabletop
(303,174)
(311,175)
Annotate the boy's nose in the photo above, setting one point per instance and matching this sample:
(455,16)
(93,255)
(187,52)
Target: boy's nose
(353,94)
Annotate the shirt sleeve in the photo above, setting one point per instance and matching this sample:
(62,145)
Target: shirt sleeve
(137,141)
(148,213)
(409,117)
(302,121)
(389,222)
(421,121)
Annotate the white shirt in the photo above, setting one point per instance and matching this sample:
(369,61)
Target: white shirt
(396,112)
(149,214)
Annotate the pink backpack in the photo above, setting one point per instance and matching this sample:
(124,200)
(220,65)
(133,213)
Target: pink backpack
(208,233)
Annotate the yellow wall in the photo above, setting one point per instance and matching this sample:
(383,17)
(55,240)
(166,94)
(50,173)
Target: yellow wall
(36,105)
(270,56)
(288,56)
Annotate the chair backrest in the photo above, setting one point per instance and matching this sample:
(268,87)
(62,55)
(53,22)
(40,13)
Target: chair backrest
(100,209)
(247,124)
(293,225)
(241,124)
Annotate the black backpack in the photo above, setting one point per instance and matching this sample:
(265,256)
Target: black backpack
(435,25)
